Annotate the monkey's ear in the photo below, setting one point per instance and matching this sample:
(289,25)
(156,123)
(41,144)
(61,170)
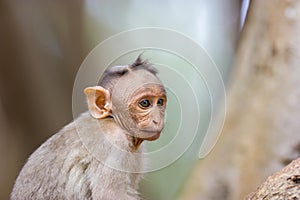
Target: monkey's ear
(98,100)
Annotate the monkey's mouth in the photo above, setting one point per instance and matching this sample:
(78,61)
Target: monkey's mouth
(149,135)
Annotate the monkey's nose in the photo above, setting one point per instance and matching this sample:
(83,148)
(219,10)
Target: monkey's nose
(154,122)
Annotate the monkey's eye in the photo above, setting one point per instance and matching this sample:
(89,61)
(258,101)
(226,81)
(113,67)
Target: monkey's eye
(160,102)
(145,103)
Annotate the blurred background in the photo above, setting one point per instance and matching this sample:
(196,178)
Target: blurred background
(43,43)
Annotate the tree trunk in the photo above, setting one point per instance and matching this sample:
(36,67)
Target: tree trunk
(261,131)
(284,184)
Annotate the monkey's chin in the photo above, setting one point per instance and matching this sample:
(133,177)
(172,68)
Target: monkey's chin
(153,136)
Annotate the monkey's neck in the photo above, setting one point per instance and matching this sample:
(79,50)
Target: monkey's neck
(134,142)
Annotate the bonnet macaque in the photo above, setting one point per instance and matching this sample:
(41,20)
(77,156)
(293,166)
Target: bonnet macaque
(99,155)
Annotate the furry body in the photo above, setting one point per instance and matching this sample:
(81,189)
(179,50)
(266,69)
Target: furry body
(70,171)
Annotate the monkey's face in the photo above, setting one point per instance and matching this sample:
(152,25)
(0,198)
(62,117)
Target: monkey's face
(147,109)
(138,103)
(136,100)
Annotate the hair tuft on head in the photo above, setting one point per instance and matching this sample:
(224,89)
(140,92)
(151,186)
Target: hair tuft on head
(113,73)
(139,63)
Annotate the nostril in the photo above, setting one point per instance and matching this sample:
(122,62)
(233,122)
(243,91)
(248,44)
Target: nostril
(155,122)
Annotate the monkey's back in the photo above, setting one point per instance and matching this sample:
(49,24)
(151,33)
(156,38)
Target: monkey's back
(62,168)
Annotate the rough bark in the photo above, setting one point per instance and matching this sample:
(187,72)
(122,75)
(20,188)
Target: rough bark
(284,184)
(261,131)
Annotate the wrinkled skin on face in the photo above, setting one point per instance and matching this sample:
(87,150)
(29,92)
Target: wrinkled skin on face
(138,105)
(147,110)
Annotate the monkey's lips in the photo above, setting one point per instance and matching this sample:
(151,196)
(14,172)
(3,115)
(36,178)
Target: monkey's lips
(149,135)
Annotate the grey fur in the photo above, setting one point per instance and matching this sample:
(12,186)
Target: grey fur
(112,74)
(62,168)
(72,164)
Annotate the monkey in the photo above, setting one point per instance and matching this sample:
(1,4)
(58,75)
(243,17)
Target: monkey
(100,154)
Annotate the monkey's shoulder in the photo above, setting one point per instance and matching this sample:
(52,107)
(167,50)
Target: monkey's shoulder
(82,132)
(56,148)
(49,166)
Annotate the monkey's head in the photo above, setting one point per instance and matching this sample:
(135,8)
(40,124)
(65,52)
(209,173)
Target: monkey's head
(133,96)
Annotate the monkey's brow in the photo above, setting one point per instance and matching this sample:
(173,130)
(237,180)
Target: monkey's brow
(146,94)
(117,71)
